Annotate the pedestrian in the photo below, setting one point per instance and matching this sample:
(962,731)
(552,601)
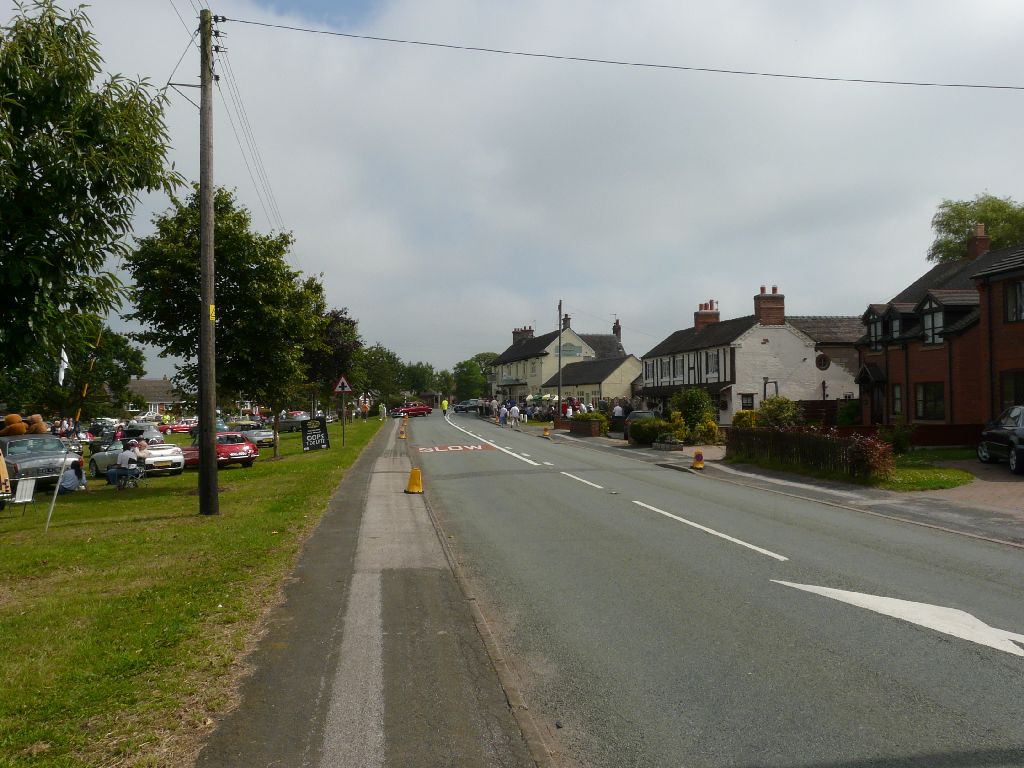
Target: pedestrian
(366,410)
(502,416)
(494,407)
(617,410)
(383,411)
(513,416)
(72,479)
(127,460)
(568,410)
(444,407)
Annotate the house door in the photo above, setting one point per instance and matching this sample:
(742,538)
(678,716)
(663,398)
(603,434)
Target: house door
(878,403)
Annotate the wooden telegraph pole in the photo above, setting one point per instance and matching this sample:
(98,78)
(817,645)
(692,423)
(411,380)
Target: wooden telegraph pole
(208,502)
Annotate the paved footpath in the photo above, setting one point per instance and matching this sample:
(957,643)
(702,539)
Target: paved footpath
(374,658)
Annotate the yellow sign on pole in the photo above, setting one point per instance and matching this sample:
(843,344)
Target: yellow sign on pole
(213,313)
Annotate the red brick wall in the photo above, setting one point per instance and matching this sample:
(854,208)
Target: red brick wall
(1007,340)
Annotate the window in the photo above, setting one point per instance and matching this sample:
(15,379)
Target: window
(875,332)
(747,402)
(823,362)
(648,370)
(929,399)
(1012,387)
(666,369)
(897,400)
(1015,301)
(894,326)
(931,318)
(533,368)
(711,361)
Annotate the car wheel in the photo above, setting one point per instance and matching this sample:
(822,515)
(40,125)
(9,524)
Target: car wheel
(1016,464)
(94,471)
(983,455)
(177,471)
(246,464)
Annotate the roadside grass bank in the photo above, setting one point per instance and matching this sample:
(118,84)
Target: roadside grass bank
(913,471)
(123,628)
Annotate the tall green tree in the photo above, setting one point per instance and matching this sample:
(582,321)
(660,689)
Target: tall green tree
(380,370)
(444,382)
(74,155)
(469,379)
(419,377)
(269,316)
(954,223)
(336,357)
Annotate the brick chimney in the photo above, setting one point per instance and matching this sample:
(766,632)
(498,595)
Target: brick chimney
(518,334)
(617,330)
(978,243)
(770,308)
(706,315)
(565,322)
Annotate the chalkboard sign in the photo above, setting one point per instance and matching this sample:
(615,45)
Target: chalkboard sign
(314,435)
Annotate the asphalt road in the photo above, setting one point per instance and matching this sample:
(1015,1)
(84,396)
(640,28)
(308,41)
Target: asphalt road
(660,618)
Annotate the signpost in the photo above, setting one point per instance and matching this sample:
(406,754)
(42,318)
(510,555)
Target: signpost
(314,435)
(342,388)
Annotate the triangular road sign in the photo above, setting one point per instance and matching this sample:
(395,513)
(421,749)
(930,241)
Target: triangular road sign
(342,387)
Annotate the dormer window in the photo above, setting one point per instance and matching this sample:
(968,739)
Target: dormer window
(894,326)
(1015,301)
(931,320)
(875,332)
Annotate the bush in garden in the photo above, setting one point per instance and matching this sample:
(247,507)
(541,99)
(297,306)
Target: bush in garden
(680,432)
(848,413)
(745,419)
(870,457)
(705,433)
(646,431)
(898,436)
(594,416)
(694,403)
(778,411)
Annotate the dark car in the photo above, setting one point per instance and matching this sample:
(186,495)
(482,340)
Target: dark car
(1003,439)
(467,406)
(635,416)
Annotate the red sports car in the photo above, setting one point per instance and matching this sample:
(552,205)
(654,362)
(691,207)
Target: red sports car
(232,448)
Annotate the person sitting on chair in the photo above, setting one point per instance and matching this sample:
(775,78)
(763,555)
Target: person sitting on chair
(127,460)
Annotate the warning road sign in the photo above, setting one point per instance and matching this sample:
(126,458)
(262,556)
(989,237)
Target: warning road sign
(342,387)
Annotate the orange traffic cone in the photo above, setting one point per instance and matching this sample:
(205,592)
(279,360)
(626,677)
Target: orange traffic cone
(415,481)
(547,432)
(401,431)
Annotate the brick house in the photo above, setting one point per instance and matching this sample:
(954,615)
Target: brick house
(531,360)
(948,350)
(743,360)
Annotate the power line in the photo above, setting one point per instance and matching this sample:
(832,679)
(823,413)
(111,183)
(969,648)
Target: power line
(244,158)
(181,19)
(615,62)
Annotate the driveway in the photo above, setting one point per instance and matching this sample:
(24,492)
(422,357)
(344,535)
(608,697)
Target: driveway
(994,487)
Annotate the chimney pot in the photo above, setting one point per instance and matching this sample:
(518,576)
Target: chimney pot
(762,289)
(775,289)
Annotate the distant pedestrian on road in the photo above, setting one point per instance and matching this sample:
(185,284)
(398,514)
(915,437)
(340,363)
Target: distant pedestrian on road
(383,410)
(444,407)
(502,416)
(513,416)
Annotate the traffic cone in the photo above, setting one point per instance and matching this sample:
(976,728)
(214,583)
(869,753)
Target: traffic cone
(698,460)
(401,431)
(415,481)
(547,432)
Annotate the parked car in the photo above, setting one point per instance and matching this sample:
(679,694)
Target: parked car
(232,448)
(1003,439)
(635,416)
(38,456)
(292,422)
(467,406)
(163,457)
(100,438)
(412,409)
(257,433)
(219,425)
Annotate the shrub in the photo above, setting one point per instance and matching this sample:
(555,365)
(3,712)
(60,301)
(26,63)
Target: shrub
(898,436)
(694,403)
(680,432)
(848,413)
(870,458)
(778,411)
(595,416)
(705,433)
(745,419)
(646,431)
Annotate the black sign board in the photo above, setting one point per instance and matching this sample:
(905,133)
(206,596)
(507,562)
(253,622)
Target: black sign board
(314,435)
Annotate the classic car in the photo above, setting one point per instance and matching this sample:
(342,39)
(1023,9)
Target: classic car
(162,457)
(1003,439)
(38,456)
(256,431)
(232,448)
(292,422)
(412,409)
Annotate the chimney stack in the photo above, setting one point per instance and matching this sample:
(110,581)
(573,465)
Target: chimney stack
(565,322)
(979,243)
(518,334)
(617,330)
(770,308)
(706,314)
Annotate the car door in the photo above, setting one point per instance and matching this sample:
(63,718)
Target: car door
(998,436)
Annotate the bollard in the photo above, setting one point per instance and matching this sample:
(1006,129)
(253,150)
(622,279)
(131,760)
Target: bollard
(415,481)
(401,431)
(698,460)
(547,433)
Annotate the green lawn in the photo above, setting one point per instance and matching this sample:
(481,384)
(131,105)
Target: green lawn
(122,628)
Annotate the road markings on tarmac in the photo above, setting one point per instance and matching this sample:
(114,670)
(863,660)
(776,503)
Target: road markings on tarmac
(503,450)
(585,482)
(712,531)
(949,621)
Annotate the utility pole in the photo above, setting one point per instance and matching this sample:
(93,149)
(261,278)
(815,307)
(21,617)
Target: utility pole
(209,504)
(558,410)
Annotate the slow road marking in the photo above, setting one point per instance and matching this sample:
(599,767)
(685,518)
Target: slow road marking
(712,531)
(454,448)
(949,621)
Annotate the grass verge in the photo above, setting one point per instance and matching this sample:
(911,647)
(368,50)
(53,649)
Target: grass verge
(123,628)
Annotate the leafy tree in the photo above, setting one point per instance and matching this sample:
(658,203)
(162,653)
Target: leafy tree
(269,317)
(954,223)
(469,379)
(336,358)
(694,403)
(444,382)
(381,371)
(419,377)
(74,156)
(778,411)
(484,360)
(32,384)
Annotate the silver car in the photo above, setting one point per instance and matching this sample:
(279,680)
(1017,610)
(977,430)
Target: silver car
(257,433)
(38,456)
(163,457)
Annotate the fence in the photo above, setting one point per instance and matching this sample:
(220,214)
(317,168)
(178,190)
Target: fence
(806,450)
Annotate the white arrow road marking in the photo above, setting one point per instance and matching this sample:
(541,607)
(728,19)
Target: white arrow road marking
(511,453)
(950,621)
(712,531)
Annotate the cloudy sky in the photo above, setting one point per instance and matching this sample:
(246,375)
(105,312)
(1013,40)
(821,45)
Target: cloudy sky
(450,196)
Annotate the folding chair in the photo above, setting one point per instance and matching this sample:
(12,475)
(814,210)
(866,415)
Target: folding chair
(25,493)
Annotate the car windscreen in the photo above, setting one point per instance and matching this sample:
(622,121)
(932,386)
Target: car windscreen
(33,445)
(230,439)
